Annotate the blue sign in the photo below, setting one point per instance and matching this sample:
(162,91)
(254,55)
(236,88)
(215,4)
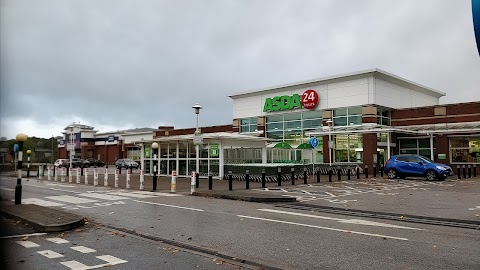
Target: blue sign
(476,21)
(15,148)
(313,142)
(111,139)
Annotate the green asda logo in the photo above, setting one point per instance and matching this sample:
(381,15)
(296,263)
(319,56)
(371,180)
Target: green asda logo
(308,100)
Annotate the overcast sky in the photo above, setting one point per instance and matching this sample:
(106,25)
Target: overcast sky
(118,64)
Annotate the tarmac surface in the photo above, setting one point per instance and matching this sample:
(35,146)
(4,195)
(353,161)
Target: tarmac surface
(452,198)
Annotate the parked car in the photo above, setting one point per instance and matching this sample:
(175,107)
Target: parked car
(76,162)
(125,163)
(416,165)
(61,163)
(93,162)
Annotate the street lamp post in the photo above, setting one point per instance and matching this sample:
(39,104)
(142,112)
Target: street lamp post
(197,108)
(21,138)
(72,148)
(154,148)
(28,162)
(330,143)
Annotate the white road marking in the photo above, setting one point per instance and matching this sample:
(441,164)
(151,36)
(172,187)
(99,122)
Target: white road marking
(341,220)
(50,254)
(7,189)
(103,196)
(57,240)
(133,195)
(27,244)
(70,199)
(111,260)
(22,235)
(158,193)
(83,249)
(40,202)
(168,205)
(75,265)
(324,228)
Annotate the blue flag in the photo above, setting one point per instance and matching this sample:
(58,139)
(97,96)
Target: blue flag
(476,21)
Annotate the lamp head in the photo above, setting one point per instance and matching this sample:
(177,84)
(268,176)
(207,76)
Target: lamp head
(155,145)
(21,137)
(29,152)
(329,122)
(197,108)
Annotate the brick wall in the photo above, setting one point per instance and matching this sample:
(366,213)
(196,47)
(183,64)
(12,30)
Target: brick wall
(452,113)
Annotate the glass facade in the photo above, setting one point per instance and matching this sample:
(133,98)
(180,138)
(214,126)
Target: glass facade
(383,117)
(419,146)
(347,116)
(133,153)
(465,149)
(348,148)
(291,128)
(248,125)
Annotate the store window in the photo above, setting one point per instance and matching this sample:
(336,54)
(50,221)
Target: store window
(383,117)
(292,127)
(418,146)
(248,125)
(133,153)
(347,116)
(348,148)
(465,149)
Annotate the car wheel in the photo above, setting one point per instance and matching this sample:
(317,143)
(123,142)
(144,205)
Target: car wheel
(392,174)
(431,175)
(126,167)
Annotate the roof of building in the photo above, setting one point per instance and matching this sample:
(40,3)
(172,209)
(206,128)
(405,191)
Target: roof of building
(348,76)
(129,131)
(211,136)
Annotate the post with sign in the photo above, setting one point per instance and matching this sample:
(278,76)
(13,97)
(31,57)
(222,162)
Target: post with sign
(173,186)
(70,175)
(142,179)
(86,176)
(79,173)
(55,174)
(40,172)
(192,183)
(129,172)
(95,176)
(49,173)
(105,177)
(64,173)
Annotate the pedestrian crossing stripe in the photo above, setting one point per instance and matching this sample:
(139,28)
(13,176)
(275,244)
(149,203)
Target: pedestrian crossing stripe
(41,202)
(50,254)
(58,240)
(27,244)
(70,199)
(102,196)
(83,249)
(111,260)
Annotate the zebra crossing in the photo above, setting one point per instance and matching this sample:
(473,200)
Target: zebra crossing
(104,260)
(93,199)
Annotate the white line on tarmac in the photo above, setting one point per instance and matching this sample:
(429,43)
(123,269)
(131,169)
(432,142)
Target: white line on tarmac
(325,228)
(7,189)
(22,235)
(168,205)
(341,220)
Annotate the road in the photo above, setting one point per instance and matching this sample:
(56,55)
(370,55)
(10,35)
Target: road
(260,235)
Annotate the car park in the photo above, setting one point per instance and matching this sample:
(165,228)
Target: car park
(93,162)
(126,163)
(402,166)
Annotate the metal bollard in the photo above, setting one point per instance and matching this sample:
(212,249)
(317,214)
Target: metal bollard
(318,176)
(459,175)
(117,172)
(86,176)
(374,170)
(210,181)
(230,187)
(197,179)
(469,171)
(263,178)
(173,184)
(464,172)
(292,170)
(64,173)
(474,170)
(70,175)
(279,176)
(305,176)
(330,172)
(39,174)
(366,171)
(349,170)
(49,174)
(193,182)
(358,173)
(142,179)
(127,185)
(131,169)
(120,170)
(55,174)
(95,176)
(339,174)
(105,177)
(79,171)
(247,179)
(381,171)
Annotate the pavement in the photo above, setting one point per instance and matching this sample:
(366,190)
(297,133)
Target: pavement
(47,219)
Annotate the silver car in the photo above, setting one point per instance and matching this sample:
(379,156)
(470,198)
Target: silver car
(126,163)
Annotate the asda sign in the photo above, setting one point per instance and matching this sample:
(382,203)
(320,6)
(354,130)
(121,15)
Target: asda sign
(308,100)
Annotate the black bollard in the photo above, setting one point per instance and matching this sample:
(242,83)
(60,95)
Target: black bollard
(81,171)
(210,181)
(339,174)
(318,176)
(349,170)
(263,178)
(247,179)
(464,172)
(374,170)
(230,180)
(459,175)
(120,170)
(131,168)
(197,180)
(469,171)
(279,176)
(293,175)
(381,171)
(54,171)
(305,176)
(358,173)
(474,170)
(39,170)
(366,171)
(330,172)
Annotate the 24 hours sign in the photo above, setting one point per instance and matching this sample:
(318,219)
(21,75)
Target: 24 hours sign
(308,100)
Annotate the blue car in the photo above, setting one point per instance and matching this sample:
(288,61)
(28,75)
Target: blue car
(416,165)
